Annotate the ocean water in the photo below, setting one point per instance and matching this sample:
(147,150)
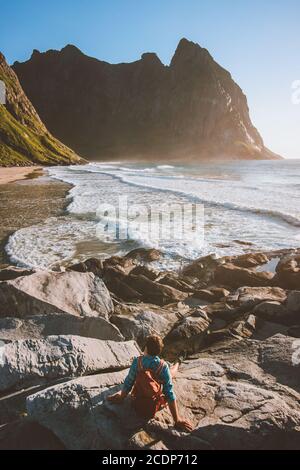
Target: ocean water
(248,206)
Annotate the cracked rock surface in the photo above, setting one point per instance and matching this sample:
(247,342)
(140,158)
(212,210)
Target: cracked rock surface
(81,294)
(240,395)
(32,361)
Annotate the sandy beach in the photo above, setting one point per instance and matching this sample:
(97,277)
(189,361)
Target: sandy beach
(11,174)
(27,199)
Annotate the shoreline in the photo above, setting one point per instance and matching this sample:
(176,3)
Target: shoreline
(16,173)
(89,246)
(28,200)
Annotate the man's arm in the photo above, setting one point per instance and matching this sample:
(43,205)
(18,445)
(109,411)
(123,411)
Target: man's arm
(168,389)
(119,397)
(180,424)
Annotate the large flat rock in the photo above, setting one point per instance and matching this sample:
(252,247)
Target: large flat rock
(87,420)
(81,294)
(39,326)
(24,363)
(245,396)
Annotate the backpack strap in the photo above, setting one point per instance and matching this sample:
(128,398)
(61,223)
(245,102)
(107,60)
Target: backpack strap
(158,371)
(140,364)
(160,368)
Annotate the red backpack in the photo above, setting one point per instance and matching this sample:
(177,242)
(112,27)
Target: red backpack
(147,394)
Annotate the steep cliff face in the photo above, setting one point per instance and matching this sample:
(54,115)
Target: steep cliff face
(189,109)
(24,140)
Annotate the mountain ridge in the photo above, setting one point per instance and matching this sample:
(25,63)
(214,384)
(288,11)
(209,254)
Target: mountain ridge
(191,108)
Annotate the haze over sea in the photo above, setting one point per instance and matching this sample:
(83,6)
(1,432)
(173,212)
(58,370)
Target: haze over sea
(249,206)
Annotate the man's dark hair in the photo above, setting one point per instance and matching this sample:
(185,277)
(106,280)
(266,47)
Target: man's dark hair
(154,345)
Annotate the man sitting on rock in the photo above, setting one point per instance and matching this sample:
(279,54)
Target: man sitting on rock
(150,380)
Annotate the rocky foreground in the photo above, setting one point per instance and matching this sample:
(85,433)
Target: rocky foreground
(68,338)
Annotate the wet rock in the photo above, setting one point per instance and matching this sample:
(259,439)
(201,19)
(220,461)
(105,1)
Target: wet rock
(12,272)
(213,294)
(172,280)
(81,294)
(250,260)
(34,361)
(288,272)
(144,255)
(116,283)
(154,292)
(256,294)
(187,337)
(243,242)
(234,276)
(92,265)
(204,294)
(122,264)
(151,274)
(203,268)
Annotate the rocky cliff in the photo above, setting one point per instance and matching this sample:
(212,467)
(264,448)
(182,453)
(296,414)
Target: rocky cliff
(191,108)
(24,140)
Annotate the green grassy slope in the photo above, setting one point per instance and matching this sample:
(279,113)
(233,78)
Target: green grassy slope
(24,140)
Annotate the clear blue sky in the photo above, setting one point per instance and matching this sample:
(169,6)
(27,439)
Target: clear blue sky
(258,41)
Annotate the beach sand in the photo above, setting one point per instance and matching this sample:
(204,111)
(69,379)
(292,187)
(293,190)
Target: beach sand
(15,173)
(27,197)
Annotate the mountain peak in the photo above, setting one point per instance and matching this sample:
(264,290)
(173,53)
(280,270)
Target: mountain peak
(188,50)
(186,43)
(35,53)
(70,49)
(151,57)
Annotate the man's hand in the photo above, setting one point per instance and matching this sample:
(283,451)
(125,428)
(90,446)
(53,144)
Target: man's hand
(116,398)
(184,425)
